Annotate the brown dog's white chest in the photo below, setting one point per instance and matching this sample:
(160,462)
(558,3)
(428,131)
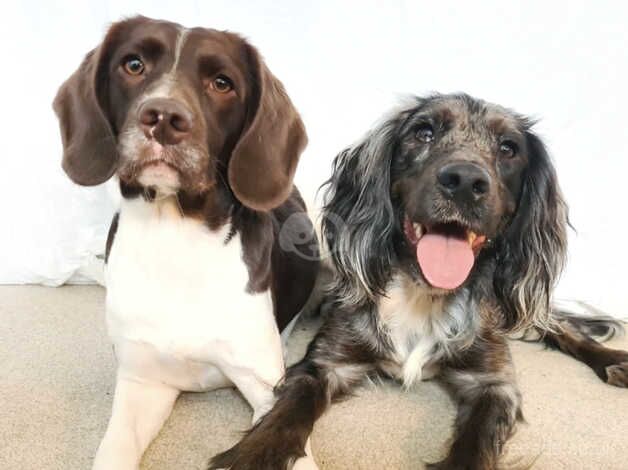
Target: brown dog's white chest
(180,289)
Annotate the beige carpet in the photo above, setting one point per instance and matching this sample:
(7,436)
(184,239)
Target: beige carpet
(56,383)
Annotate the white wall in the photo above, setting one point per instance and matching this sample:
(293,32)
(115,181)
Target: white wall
(344,64)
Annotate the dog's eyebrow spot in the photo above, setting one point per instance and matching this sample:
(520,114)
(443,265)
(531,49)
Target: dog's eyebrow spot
(449,111)
(496,125)
(151,47)
(499,125)
(447,115)
(211,63)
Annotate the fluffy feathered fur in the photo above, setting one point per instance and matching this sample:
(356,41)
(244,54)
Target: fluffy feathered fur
(456,168)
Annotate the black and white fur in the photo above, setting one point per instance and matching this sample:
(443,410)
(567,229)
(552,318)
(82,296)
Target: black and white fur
(386,320)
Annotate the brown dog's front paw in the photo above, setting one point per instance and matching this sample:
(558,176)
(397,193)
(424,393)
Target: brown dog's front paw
(617,374)
(434,466)
(446,464)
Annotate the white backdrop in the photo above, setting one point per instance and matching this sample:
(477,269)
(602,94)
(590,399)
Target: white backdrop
(344,64)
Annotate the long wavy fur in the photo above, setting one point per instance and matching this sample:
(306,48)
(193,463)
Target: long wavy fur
(532,251)
(358,220)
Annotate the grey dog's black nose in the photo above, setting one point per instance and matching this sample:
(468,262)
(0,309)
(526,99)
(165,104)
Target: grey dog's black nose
(464,181)
(165,120)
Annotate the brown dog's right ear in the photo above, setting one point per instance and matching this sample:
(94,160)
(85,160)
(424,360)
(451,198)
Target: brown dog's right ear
(265,158)
(90,155)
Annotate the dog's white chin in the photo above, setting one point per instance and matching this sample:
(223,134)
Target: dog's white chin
(162,177)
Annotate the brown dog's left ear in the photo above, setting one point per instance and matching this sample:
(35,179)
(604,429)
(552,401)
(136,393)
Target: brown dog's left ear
(265,158)
(90,154)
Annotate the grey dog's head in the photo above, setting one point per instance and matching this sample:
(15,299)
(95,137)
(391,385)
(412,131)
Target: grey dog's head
(443,188)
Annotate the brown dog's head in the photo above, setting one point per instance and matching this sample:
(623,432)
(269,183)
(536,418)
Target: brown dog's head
(169,108)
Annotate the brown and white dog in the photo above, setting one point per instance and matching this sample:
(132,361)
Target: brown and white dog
(200,281)
(447,230)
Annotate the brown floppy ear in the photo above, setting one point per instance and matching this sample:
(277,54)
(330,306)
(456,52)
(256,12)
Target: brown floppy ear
(265,158)
(90,155)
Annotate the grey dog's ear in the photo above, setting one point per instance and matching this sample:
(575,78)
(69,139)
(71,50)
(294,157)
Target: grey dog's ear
(533,250)
(90,154)
(359,220)
(265,158)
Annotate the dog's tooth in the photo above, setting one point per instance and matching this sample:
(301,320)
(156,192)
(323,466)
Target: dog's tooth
(471,236)
(418,230)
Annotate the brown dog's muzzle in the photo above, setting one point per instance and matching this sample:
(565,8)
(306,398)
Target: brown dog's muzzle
(165,120)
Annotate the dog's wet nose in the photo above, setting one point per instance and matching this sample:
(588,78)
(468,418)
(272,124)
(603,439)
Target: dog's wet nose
(165,120)
(463,181)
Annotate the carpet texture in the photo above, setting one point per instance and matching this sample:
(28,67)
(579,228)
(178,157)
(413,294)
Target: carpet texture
(57,378)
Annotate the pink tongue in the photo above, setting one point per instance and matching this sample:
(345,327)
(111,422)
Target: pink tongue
(445,261)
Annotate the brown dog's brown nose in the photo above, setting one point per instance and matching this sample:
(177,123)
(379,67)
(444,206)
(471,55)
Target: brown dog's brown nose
(165,120)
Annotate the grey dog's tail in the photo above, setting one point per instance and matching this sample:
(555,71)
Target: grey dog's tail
(585,319)
(588,320)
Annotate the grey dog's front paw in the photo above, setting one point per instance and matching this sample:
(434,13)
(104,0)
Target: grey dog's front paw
(617,374)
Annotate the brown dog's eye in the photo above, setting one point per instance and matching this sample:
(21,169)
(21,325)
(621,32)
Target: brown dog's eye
(425,133)
(134,66)
(508,149)
(222,84)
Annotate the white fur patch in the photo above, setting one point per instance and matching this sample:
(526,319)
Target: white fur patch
(161,176)
(164,87)
(177,305)
(422,327)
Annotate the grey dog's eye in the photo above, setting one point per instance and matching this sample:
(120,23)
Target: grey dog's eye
(508,149)
(425,132)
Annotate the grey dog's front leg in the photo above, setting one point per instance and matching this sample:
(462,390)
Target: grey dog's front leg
(489,406)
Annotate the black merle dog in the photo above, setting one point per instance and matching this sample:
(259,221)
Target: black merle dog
(447,230)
